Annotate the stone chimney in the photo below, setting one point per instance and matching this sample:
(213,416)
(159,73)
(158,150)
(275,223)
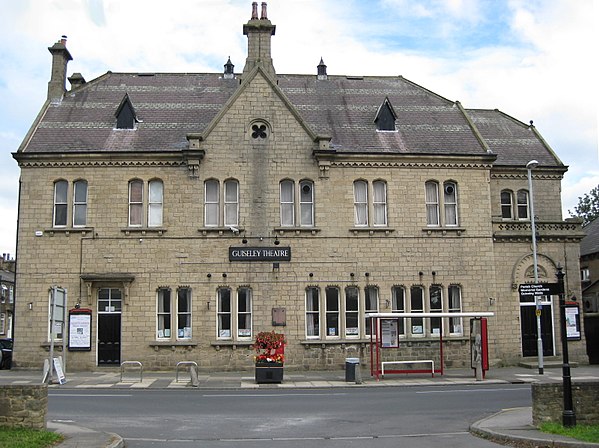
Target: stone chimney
(60,59)
(259,32)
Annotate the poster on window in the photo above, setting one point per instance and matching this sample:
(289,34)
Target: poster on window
(572,321)
(389,333)
(80,337)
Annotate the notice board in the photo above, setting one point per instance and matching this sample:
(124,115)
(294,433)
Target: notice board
(80,326)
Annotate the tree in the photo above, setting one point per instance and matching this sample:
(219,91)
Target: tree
(588,206)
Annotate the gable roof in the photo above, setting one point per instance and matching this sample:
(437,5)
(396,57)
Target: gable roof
(174,105)
(590,243)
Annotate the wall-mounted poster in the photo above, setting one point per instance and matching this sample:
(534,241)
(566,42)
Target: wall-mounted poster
(389,333)
(80,334)
(572,321)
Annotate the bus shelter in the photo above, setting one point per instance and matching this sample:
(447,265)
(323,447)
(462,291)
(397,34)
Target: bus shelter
(384,334)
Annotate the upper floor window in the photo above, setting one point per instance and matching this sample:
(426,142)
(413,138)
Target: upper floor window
(585,275)
(137,203)
(520,204)
(79,203)
(449,204)
(363,209)
(288,203)
(213,214)
(60,203)
(125,114)
(385,117)
(155,194)
(136,197)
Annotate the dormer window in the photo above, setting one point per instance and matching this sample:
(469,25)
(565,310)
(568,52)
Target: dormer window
(125,114)
(385,117)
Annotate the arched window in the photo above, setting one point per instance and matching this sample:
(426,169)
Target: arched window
(432,203)
(507,204)
(136,198)
(79,203)
(379,202)
(156,190)
(450,203)
(287,202)
(306,203)
(360,203)
(522,204)
(231,202)
(211,203)
(61,188)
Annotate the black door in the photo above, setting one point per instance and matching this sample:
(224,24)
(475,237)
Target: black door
(109,339)
(528,325)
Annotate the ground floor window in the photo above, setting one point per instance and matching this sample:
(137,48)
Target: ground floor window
(234,315)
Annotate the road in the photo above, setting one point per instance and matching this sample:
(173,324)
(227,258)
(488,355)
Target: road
(374,417)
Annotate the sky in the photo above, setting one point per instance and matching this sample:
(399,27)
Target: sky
(532,59)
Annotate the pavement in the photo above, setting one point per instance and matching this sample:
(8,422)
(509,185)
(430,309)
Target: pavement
(509,426)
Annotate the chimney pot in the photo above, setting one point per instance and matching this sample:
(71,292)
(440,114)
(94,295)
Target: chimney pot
(254,10)
(63,39)
(263,14)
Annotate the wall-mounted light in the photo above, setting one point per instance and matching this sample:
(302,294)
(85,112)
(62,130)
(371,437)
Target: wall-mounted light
(209,275)
(491,301)
(224,275)
(311,274)
(30,306)
(208,304)
(275,267)
(277,241)
(367,274)
(387,303)
(351,274)
(244,241)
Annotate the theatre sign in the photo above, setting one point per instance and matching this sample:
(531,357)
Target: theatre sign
(259,253)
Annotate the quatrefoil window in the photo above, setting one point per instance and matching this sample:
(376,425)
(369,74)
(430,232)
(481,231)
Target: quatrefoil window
(259,131)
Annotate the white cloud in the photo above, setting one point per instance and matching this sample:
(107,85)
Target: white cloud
(530,58)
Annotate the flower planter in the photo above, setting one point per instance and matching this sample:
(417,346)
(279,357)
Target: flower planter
(269,372)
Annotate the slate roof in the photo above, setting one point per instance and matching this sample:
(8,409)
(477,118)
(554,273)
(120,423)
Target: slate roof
(590,243)
(169,106)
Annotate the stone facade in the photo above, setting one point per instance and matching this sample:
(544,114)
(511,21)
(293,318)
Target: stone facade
(23,406)
(548,403)
(262,134)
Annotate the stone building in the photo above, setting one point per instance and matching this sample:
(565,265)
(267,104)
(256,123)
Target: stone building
(589,279)
(7,295)
(188,212)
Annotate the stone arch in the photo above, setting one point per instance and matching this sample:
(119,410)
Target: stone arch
(523,271)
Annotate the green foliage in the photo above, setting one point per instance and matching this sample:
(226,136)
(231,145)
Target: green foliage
(586,433)
(588,206)
(27,438)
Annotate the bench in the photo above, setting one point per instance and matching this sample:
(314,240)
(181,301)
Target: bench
(419,361)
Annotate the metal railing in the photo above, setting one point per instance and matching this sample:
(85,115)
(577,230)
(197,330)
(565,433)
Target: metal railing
(133,363)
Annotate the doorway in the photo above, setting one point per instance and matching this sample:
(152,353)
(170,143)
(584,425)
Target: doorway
(528,327)
(109,326)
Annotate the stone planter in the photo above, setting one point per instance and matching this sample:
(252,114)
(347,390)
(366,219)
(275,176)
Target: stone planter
(269,372)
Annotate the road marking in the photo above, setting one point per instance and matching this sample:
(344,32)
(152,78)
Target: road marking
(470,390)
(270,395)
(298,439)
(53,394)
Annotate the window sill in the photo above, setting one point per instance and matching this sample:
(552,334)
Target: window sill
(402,340)
(221,230)
(296,230)
(172,344)
(444,230)
(68,230)
(371,230)
(325,342)
(143,230)
(233,344)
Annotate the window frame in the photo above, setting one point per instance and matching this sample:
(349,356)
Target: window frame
(155,203)
(396,308)
(135,204)
(233,314)
(60,206)
(164,314)
(454,309)
(523,206)
(247,291)
(78,203)
(432,203)
(420,309)
(450,203)
(306,205)
(378,204)
(507,210)
(286,203)
(313,320)
(351,312)
(371,295)
(211,206)
(184,332)
(360,204)
(230,206)
(332,315)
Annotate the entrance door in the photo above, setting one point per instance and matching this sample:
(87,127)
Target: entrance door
(528,326)
(109,326)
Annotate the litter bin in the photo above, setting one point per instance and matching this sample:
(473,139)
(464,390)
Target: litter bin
(351,364)
(5,353)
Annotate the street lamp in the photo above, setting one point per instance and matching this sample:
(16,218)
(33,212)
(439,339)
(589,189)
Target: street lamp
(529,167)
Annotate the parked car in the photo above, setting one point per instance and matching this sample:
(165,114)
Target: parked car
(5,353)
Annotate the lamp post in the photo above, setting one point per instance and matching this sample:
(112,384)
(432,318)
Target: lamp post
(529,167)
(568,415)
